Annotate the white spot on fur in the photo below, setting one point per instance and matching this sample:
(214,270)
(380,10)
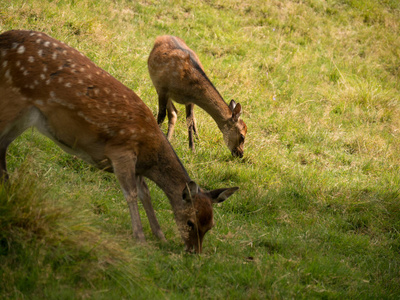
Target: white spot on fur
(52,94)
(42,76)
(55,44)
(122,131)
(3,53)
(44,69)
(38,41)
(38,102)
(5,63)
(8,75)
(60,79)
(32,34)
(31,59)
(80,81)
(46,44)
(82,69)
(68,84)
(26,73)
(40,52)
(89,76)
(14,46)
(48,81)
(54,55)
(21,49)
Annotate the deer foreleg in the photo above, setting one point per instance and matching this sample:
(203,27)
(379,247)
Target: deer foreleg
(191,124)
(162,107)
(144,196)
(124,169)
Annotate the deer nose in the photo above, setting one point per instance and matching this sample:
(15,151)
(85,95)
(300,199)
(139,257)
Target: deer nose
(237,153)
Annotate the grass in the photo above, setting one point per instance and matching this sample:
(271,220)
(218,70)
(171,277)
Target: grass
(318,210)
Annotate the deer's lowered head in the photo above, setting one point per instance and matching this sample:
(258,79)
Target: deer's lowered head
(234,130)
(196,216)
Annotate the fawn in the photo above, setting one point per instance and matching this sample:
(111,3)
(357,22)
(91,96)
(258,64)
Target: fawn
(177,74)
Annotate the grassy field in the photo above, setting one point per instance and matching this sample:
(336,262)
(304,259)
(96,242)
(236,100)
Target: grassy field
(318,210)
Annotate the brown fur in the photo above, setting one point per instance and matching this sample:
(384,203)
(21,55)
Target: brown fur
(49,85)
(177,73)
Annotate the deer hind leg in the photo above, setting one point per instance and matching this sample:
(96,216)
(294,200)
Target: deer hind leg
(172,117)
(124,168)
(144,195)
(13,123)
(191,124)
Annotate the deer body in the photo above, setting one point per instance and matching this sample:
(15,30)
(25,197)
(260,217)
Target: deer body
(87,112)
(178,74)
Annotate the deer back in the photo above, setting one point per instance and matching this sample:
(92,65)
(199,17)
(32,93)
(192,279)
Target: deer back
(82,105)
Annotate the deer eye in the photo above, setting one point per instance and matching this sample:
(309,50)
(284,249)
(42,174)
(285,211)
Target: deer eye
(190,224)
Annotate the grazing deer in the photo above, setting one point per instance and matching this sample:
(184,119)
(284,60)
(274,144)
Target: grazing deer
(87,112)
(177,73)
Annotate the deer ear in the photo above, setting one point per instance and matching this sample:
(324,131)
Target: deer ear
(190,190)
(220,195)
(232,105)
(236,112)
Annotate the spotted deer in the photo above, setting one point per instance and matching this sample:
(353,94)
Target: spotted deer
(88,113)
(177,73)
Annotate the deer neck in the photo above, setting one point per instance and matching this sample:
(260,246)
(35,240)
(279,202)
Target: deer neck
(169,174)
(213,103)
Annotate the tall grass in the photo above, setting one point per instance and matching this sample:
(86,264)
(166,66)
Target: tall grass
(318,210)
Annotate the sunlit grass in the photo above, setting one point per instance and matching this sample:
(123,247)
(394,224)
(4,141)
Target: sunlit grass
(317,214)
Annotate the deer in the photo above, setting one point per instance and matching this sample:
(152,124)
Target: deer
(47,84)
(177,73)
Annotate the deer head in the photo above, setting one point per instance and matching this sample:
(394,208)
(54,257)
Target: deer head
(197,214)
(235,130)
